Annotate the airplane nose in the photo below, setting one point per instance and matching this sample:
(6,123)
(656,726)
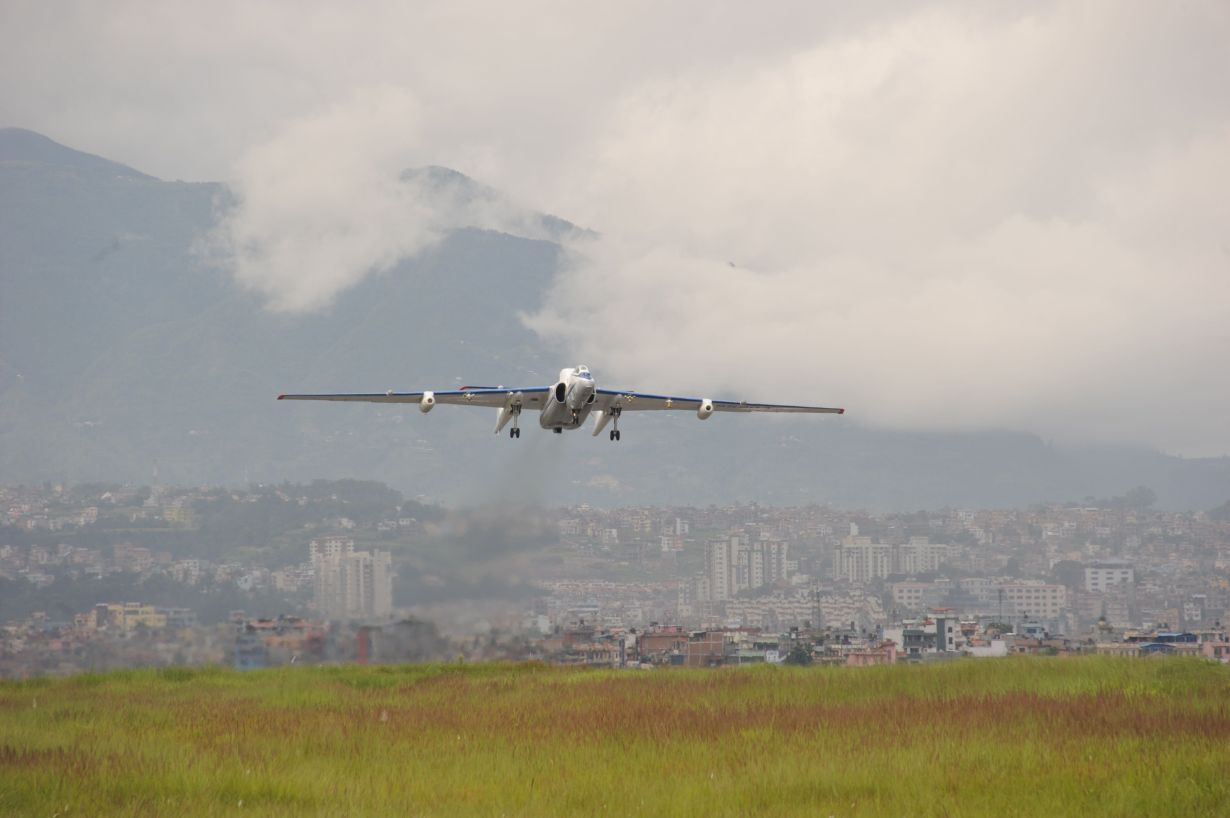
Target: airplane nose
(579,395)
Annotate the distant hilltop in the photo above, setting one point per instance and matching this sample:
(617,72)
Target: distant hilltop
(21,145)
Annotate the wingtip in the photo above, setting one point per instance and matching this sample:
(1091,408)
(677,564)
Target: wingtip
(280,397)
(841,411)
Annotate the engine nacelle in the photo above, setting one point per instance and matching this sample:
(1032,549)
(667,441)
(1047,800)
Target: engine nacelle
(705,409)
(427,402)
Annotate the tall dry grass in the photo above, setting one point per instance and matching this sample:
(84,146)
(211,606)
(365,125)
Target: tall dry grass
(1014,737)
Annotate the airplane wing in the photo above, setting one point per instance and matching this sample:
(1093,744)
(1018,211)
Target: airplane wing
(629,401)
(530,397)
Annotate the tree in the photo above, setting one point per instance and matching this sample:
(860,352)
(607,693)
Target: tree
(1069,573)
(799,655)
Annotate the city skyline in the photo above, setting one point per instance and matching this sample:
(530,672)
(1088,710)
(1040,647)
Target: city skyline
(1075,577)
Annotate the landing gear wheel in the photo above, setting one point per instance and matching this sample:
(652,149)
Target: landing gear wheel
(612,434)
(618,435)
(514,432)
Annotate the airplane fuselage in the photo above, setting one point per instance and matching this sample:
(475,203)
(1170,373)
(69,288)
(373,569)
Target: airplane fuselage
(569,402)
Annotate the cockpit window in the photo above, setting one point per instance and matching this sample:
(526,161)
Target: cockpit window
(583,371)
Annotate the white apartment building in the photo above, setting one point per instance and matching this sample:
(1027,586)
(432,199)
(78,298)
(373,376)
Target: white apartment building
(1035,599)
(721,568)
(369,585)
(1100,576)
(980,588)
(351,584)
(921,556)
(330,547)
(859,560)
(767,563)
(733,564)
(918,596)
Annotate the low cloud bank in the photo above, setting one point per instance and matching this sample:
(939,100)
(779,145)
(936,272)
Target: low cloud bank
(942,223)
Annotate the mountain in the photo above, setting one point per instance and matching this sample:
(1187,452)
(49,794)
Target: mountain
(123,355)
(21,147)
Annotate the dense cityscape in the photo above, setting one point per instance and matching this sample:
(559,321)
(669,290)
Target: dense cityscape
(102,576)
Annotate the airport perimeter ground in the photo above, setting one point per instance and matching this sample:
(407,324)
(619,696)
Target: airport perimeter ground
(1010,737)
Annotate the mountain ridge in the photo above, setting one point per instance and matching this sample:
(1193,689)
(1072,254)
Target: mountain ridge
(22,145)
(125,356)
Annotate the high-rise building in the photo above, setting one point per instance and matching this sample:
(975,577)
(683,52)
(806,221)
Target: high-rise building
(722,558)
(351,584)
(369,584)
(330,547)
(859,560)
(921,556)
(328,557)
(733,564)
(767,562)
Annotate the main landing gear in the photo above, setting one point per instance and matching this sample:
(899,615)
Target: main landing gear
(615,413)
(515,431)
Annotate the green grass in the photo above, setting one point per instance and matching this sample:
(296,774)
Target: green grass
(1013,737)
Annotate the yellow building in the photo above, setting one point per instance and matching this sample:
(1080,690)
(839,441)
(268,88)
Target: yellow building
(125,616)
(181,515)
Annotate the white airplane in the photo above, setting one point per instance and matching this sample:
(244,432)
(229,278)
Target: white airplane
(565,405)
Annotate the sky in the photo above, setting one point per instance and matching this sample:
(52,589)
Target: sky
(940,216)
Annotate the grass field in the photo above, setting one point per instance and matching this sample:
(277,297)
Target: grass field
(1010,737)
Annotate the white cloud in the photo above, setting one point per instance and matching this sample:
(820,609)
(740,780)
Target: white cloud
(331,199)
(939,224)
(321,205)
(940,215)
